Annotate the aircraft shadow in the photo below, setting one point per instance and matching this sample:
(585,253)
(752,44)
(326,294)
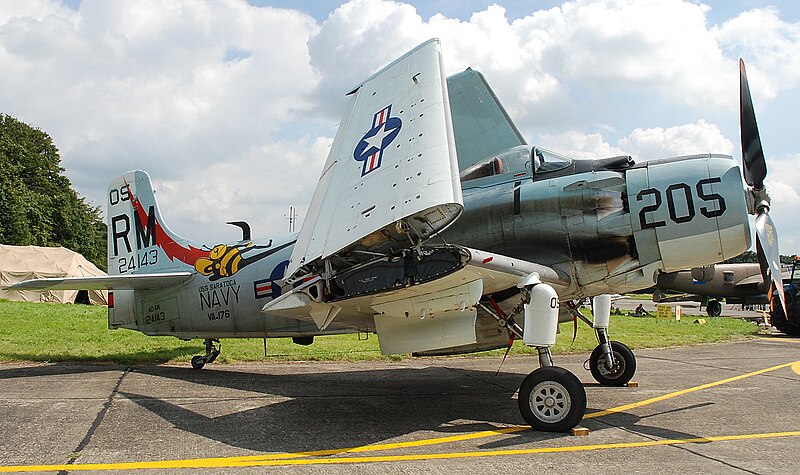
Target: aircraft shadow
(51,369)
(65,359)
(327,410)
(330,410)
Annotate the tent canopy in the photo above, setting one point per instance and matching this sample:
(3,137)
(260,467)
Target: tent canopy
(19,263)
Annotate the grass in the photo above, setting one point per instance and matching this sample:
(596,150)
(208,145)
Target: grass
(78,333)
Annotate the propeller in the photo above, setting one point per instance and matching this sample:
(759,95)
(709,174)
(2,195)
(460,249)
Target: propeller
(755,170)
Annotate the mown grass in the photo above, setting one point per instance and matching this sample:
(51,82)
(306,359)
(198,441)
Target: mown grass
(78,333)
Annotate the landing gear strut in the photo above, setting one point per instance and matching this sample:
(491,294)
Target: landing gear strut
(551,399)
(211,354)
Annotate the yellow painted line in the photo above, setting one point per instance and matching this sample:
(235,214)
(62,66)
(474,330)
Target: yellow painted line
(234,462)
(781,340)
(286,457)
(796,367)
(627,407)
(380,447)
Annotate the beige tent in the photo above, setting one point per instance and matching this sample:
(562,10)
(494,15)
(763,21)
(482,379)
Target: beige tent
(18,263)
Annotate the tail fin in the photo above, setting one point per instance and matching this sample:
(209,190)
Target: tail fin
(138,240)
(481,125)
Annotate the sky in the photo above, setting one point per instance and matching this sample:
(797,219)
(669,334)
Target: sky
(232,106)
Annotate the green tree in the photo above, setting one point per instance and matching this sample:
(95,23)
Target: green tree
(37,203)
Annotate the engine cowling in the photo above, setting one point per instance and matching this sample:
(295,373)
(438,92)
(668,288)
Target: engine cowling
(688,211)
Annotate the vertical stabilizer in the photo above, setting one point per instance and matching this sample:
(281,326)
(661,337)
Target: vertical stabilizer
(138,240)
(482,126)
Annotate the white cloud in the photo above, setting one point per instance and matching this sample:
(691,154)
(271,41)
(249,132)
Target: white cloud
(147,84)
(782,179)
(643,144)
(769,45)
(579,145)
(258,187)
(231,106)
(688,139)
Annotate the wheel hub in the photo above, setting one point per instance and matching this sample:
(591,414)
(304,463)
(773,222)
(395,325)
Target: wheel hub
(550,401)
(616,370)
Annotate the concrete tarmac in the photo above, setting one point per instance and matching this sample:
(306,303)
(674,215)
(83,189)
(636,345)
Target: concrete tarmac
(719,408)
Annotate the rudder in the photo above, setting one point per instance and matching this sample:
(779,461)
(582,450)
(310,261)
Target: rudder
(138,240)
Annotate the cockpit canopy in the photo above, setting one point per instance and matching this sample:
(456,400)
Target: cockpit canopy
(516,162)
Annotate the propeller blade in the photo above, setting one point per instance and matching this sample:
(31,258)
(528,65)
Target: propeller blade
(768,256)
(755,167)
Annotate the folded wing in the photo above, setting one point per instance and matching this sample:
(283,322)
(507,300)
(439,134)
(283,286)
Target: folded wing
(391,176)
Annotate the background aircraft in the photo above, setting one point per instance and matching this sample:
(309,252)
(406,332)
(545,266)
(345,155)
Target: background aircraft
(436,226)
(740,283)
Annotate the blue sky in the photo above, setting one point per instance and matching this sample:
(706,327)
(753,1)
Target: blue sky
(463,9)
(231,106)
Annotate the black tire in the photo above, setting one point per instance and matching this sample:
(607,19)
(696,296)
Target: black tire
(790,326)
(623,370)
(714,308)
(198,362)
(551,399)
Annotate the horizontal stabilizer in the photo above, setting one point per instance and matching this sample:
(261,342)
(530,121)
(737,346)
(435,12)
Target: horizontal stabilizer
(110,282)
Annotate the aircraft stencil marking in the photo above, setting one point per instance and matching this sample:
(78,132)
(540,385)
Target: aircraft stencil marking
(687,205)
(217,294)
(383,132)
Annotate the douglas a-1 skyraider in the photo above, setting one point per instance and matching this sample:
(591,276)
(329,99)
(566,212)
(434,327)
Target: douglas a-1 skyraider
(436,226)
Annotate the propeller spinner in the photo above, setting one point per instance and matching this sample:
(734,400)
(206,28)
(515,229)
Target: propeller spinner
(755,170)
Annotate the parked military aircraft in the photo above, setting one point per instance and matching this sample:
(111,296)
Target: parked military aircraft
(740,283)
(435,225)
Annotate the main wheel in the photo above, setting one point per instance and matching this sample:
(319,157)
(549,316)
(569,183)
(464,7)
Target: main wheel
(622,371)
(552,399)
(198,362)
(714,308)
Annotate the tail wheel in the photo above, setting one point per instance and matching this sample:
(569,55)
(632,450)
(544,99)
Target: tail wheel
(624,365)
(552,399)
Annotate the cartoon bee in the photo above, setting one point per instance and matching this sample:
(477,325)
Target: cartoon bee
(224,260)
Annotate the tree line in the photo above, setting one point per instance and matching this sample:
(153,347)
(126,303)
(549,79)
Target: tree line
(37,203)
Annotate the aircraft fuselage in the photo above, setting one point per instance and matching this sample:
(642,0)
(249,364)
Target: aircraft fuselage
(610,224)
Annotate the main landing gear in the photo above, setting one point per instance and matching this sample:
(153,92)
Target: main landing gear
(615,371)
(211,354)
(612,363)
(714,308)
(551,398)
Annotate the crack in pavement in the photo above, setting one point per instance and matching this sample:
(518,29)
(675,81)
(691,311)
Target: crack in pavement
(95,424)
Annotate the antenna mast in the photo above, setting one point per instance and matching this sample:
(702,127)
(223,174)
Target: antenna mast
(292,217)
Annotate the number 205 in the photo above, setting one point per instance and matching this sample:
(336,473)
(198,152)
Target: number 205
(681,192)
